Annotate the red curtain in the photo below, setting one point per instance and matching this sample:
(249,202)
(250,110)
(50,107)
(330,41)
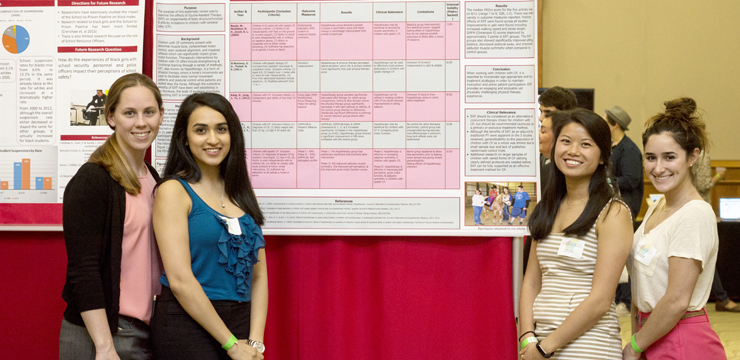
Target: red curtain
(330,297)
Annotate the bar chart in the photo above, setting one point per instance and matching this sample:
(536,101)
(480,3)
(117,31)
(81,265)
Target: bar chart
(28,175)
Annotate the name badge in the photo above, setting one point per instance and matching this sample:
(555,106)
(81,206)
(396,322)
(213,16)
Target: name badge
(645,253)
(233,226)
(572,247)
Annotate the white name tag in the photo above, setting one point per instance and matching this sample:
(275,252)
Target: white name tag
(572,247)
(645,253)
(233,224)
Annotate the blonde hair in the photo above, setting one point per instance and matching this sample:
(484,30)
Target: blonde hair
(110,155)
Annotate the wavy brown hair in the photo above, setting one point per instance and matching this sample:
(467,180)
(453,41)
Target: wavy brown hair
(682,121)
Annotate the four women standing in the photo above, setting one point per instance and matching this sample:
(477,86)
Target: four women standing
(213,304)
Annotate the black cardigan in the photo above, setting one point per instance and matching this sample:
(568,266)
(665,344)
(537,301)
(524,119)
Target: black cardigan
(94,209)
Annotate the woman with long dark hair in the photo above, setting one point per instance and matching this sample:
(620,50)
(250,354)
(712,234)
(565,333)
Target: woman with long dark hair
(207,222)
(112,260)
(675,248)
(581,232)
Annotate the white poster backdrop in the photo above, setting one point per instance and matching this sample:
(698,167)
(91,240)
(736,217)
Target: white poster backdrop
(367,117)
(57,58)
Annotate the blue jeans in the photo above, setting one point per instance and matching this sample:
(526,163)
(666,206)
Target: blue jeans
(131,342)
(476,214)
(506,213)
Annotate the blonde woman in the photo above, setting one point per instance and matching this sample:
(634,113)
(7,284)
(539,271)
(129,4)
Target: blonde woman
(112,259)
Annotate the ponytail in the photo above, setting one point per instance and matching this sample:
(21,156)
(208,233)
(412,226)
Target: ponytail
(111,157)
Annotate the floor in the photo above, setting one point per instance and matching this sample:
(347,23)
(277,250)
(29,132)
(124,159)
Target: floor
(726,324)
(487,218)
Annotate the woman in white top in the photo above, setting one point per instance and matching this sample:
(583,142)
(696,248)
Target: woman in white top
(675,249)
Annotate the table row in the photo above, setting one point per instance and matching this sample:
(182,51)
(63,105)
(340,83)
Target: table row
(340,76)
(427,40)
(354,168)
(350,135)
(343,107)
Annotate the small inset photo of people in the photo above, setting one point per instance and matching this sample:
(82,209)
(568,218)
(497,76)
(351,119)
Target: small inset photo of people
(499,203)
(87,107)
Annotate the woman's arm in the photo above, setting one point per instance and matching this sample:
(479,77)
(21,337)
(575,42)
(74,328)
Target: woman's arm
(682,276)
(614,234)
(258,316)
(96,323)
(85,209)
(170,219)
(531,286)
(702,172)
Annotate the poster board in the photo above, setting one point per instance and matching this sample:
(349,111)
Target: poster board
(366,117)
(440,97)
(58,57)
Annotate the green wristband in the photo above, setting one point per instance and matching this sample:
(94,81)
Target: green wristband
(527,341)
(229,343)
(634,344)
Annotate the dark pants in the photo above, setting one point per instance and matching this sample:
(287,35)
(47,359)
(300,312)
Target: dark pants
(91,116)
(624,294)
(131,341)
(718,291)
(175,335)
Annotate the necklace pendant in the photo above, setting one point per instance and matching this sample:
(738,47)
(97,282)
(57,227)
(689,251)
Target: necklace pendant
(223,205)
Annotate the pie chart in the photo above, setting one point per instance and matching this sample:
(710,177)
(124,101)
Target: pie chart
(16,39)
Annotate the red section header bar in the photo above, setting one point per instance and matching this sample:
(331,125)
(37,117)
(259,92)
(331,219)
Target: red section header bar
(84,137)
(25,3)
(95,49)
(97,2)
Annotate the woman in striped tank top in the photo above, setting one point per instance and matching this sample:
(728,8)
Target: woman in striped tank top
(582,234)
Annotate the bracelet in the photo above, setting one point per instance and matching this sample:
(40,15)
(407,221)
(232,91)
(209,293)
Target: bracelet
(528,341)
(229,344)
(719,176)
(542,351)
(634,344)
(525,333)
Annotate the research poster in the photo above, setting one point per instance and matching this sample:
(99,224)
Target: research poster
(57,62)
(367,117)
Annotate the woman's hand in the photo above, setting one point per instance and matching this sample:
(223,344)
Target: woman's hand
(530,352)
(108,353)
(243,351)
(628,353)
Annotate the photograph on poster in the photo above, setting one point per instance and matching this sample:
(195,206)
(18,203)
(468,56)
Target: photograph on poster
(87,107)
(499,203)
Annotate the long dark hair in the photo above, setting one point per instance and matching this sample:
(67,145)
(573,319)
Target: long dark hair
(182,165)
(600,191)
